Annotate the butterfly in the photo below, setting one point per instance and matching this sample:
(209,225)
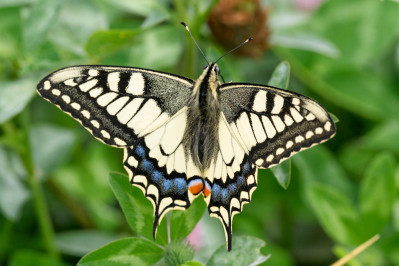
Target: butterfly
(183,137)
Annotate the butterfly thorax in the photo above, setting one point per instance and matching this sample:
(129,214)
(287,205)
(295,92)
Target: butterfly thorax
(201,135)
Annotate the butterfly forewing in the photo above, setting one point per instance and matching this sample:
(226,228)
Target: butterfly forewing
(116,104)
(273,124)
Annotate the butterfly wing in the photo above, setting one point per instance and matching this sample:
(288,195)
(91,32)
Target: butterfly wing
(141,110)
(116,104)
(259,126)
(231,177)
(273,124)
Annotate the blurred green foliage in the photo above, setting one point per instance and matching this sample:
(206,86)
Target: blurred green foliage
(57,204)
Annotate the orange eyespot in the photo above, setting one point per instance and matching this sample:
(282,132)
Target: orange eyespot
(195,187)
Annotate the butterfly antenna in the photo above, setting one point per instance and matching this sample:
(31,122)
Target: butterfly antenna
(247,40)
(185,25)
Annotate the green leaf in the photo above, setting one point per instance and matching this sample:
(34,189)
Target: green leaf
(33,258)
(51,146)
(281,76)
(137,208)
(308,42)
(13,193)
(81,242)
(377,193)
(318,165)
(106,42)
(376,23)
(14,96)
(178,252)
(162,47)
(183,222)
(37,20)
(282,172)
(334,117)
(156,17)
(127,251)
(245,251)
(192,263)
(139,7)
(8,3)
(336,213)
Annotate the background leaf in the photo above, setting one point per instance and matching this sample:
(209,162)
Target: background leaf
(51,146)
(14,96)
(183,222)
(137,208)
(376,188)
(13,193)
(245,251)
(127,251)
(81,242)
(34,258)
(336,213)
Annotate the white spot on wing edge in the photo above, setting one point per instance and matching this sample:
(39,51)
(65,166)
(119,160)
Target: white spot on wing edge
(66,98)
(95,123)
(105,134)
(120,142)
(327,126)
(86,114)
(46,85)
(75,106)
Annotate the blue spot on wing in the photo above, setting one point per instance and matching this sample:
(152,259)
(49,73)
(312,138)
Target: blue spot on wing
(246,168)
(240,180)
(167,184)
(147,165)
(215,191)
(180,184)
(157,175)
(140,151)
(224,194)
(232,187)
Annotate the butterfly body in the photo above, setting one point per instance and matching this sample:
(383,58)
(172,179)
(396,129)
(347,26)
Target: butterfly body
(201,134)
(183,138)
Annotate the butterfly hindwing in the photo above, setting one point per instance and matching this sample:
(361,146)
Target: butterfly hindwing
(232,179)
(273,124)
(116,104)
(159,166)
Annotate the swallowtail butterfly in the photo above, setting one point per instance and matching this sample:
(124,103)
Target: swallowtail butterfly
(184,137)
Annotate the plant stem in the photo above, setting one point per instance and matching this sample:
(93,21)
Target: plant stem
(43,215)
(39,202)
(5,234)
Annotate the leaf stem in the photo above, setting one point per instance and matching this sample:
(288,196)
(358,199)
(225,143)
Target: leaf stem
(39,202)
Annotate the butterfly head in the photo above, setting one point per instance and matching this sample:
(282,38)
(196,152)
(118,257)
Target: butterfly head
(211,72)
